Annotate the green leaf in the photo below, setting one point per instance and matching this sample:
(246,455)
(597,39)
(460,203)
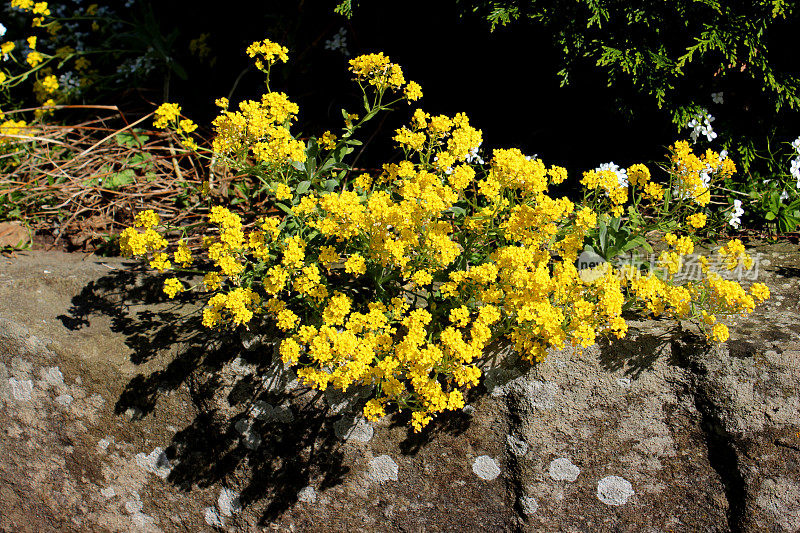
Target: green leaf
(123,177)
(303,187)
(286,209)
(770,215)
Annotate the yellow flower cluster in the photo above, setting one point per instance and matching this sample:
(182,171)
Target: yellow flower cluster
(267,52)
(134,243)
(260,128)
(12,127)
(378,70)
(166,114)
(50,84)
(453,255)
(696,174)
(608,182)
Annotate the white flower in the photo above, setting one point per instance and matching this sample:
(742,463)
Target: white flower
(784,195)
(701,125)
(717,98)
(794,168)
(473,155)
(706,176)
(737,212)
(796,144)
(2,29)
(622,174)
(338,42)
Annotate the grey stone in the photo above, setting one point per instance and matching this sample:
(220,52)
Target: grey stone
(134,506)
(212,518)
(64,400)
(52,376)
(156,462)
(528,504)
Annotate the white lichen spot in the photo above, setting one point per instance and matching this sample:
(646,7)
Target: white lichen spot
(228,502)
(64,400)
(624,382)
(486,468)
(134,506)
(103,444)
(353,429)
(528,504)
(52,376)
(614,490)
(212,518)
(21,390)
(156,462)
(562,469)
(108,492)
(382,468)
(517,447)
(307,494)
(142,522)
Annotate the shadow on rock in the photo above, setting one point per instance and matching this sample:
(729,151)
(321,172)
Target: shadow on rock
(635,353)
(255,427)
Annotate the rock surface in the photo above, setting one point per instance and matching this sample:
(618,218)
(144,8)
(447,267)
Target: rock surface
(119,413)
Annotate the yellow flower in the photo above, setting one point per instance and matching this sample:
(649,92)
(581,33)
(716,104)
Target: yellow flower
(267,51)
(173,286)
(377,70)
(355,264)
(7,47)
(187,126)
(50,84)
(160,262)
(287,319)
(413,92)
(328,140)
(34,58)
(283,192)
(719,333)
(638,175)
(697,220)
(166,114)
(147,219)
(183,255)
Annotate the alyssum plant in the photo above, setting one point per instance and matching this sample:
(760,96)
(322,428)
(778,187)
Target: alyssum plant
(399,280)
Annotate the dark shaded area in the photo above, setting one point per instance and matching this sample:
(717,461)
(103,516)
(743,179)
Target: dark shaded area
(788,272)
(636,353)
(211,448)
(722,446)
(268,459)
(506,81)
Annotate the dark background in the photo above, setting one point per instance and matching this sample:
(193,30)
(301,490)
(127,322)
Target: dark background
(505,81)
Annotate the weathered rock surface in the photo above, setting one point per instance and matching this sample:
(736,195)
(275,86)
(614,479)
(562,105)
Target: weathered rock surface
(120,414)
